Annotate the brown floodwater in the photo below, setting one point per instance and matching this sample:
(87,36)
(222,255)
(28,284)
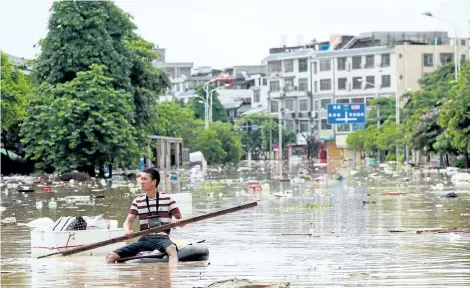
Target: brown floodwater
(349,245)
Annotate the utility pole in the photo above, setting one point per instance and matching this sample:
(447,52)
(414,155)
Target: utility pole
(378,128)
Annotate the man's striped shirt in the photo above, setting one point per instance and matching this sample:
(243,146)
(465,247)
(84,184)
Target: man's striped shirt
(166,209)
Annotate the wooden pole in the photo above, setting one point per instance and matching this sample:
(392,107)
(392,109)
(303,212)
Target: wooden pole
(152,230)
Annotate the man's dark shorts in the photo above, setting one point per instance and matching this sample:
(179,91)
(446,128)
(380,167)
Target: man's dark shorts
(145,243)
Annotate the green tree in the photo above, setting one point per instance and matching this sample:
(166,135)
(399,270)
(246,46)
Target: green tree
(147,84)
(211,147)
(231,141)
(176,121)
(218,110)
(386,111)
(455,113)
(356,140)
(370,139)
(15,92)
(82,33)
(389,136)
(268,131)
(80,124)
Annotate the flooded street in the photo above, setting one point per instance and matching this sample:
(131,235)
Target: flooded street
(336,241)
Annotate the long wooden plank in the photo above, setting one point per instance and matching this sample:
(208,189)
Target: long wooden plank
(152,230)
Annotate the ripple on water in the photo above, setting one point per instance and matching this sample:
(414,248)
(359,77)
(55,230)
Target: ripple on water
(349,246)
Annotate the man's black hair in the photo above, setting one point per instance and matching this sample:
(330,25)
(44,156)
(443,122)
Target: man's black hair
(154,174)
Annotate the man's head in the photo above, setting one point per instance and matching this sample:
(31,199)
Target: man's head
(149,178)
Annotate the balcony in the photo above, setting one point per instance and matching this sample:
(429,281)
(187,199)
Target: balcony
(294,93)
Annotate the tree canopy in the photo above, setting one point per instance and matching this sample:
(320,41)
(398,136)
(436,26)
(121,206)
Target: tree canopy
(96,40)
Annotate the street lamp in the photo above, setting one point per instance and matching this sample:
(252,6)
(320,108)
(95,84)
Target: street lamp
(456,57)
(209,104)
(376,86)
(205,87)
(279,112)
(206,117)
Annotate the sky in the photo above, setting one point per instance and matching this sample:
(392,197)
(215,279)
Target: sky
(221,33)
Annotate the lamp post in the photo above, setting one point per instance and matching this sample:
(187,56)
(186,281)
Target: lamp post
(456,27)
(206,118)
(279,112)
(376,86)
(209,104)
(205,87)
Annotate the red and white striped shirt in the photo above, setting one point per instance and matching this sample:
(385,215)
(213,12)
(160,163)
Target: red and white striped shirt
(166,209)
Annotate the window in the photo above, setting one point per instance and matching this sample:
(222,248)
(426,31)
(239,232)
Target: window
(315,105)
(324,103)
(325,64)
(447,58)
(289,66)
(274,107)
(357,100)
(370,82)
(303,105)
(325,125)
(290,125)
(304,126)
(343,127)
(385,81)
(289,105)
(358,126)
(314,67)
(325,84)
(265,82)
(462,42)
(356,62)
(342,101)
(303,84)
(368,99)
(289,84)
(274,66)
(341,63)
(303,65)
(342,83)
(357,84)
(385,60)
(427,60)
(256,95)
(315,88)
(274,86)
(462,58)
(370,61)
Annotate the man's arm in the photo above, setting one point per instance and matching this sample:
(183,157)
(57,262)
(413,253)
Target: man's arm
(175,211)
(133,213)
(128,223)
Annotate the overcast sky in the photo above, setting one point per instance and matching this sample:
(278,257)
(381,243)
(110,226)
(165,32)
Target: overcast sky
(221,33)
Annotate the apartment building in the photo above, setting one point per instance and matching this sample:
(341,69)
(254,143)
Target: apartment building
(290,86)
(416,61)
(350,76)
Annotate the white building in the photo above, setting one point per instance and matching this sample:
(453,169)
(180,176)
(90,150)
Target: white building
(289,82)
(350,76)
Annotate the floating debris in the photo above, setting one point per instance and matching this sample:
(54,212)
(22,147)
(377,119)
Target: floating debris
(450,195)
(444,230)
(394,193)
(304,207)
(8,221)
(244,283)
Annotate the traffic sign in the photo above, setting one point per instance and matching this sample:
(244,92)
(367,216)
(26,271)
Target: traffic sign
(254,127)
(347,113)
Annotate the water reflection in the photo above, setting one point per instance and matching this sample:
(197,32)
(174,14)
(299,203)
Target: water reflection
(346,243)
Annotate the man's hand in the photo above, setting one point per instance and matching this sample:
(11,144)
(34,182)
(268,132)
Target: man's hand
(177,220)
(129,233)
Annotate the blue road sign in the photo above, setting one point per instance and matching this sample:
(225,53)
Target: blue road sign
(347,113)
